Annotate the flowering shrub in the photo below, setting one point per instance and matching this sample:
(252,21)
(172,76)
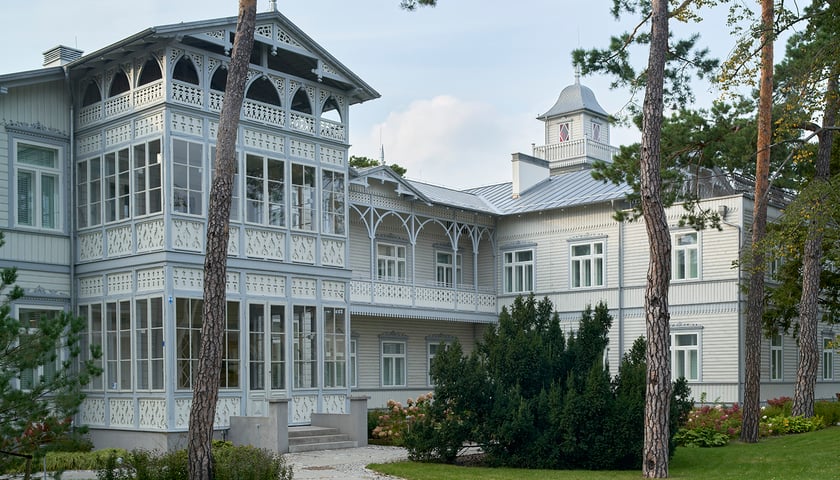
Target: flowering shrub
(779,401)
(782,425)
(396,420)
(716,418)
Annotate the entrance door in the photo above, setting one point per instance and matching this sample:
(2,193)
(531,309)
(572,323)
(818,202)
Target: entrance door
(267,351)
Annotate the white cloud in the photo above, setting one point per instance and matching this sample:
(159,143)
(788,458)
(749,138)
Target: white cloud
(450,142)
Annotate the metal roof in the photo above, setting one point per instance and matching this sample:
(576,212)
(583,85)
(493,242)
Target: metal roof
(454,198)
(574,98)
(558,191)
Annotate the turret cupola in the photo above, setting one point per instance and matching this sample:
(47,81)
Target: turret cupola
(576,130)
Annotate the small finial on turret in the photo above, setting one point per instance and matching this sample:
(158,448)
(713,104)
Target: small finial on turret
(272,5)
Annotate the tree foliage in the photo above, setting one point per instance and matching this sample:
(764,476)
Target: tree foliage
(41,375)
(364,162)
(533,398)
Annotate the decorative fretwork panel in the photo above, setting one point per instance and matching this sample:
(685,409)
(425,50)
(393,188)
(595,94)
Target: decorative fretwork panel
(122,282)
(302,149)
(302,408)
(149,125)
(89,144)
(188,235)
(302,122)
(332,290)
(303,249)
(216,101)
(187,124)
(182,412)
(333,130)
(186,94)
(121,412)
(332,252)
(90,114)
(233,243)
(93,411)
(225,408)
(151,279)
(148,94)
(150,236)
(392,294)
(232,282)
(91,246)
(435,297)
(332,156)
(334,403)
(264,31)
(265,244)
(360,292)
(263,112)
(263,141)
(270,285)
(119,241)
(152,413)
(214,129)
(304,287)
(118,134)
(90,287)
(118,105)
(188,278)
(284,37)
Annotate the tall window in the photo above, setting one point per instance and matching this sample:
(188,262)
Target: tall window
(448,273)
(519,271)
(264,191)
(187,181)
(776,357)
(354,371)
(117,186)
(30,321)
(305,343)
(390,262)
(149,341)
(563,132)
(686,256)
(38,186)
(587,265)
(92,337)
(148,194)
(89,192)
(685,356)
(596,131)
(828,359)
(267,347)
(118,345)
(332,186)
(256,347)
(335,358)
(188,320)
(393,363)
(303,197)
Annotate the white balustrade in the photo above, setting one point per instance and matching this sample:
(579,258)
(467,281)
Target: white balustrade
(186,94)
(263,112)
(302,122)
(117,105)
(575,149)
(148,94)
(333,130)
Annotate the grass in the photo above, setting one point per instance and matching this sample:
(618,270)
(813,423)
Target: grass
(811,456)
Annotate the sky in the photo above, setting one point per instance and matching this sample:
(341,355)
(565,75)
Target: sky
(461,84)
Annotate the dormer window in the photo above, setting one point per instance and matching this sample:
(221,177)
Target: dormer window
(563,132)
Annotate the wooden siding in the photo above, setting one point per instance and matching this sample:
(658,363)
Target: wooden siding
(5,185)
(36,248)
(45,103)
(367,331)
(51,282)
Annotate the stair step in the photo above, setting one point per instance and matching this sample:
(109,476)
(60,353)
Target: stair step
(312,447)
(298,432)
(319,439)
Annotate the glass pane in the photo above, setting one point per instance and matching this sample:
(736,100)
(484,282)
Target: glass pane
(49,197)
(37,156)
(26,198)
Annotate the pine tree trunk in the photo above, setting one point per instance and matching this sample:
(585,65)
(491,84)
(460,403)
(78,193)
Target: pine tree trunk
(755,296)
(806,372)
(206,378)
(658,385)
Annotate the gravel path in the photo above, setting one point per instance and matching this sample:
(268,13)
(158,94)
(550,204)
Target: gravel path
(348,463)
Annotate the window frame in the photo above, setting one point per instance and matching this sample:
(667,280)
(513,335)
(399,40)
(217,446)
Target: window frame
(596,131)
(681,258)
(396,262)
(41,370)
(335,346)
(36,197)
(397,361)
(827,373)
(686,350)
(777,356)
(518,276)
(305,343)
(452,274)
(578,276)
(265,195)
(147,352)
(334,202)
(564,127)
(353,359)
(187,174)
(118,351)
(188,334)
(304,197)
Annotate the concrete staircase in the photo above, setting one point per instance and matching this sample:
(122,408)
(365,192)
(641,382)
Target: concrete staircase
(308,439)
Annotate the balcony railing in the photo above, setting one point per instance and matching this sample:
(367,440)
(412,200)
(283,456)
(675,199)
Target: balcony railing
(573,149)
(462,298)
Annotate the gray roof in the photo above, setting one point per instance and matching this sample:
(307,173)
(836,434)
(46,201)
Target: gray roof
(454,198)
(559,191)
(574,98)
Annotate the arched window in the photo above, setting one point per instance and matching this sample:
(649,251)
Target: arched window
(331,111)
(300,102)
(119,84)
(219,79)
(185,71)
(150,72)
(92,94)
(263,91)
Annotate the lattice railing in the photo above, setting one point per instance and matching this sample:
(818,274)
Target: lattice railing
(117,105)
(186,94)
(90,114)
(148,94)
(302,122)
(263,112)
(333,130)
(216,100)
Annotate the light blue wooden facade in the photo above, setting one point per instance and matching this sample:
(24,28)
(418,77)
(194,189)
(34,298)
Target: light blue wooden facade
(340,281)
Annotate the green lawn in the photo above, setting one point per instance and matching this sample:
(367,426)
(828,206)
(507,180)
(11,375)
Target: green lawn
(811,456)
